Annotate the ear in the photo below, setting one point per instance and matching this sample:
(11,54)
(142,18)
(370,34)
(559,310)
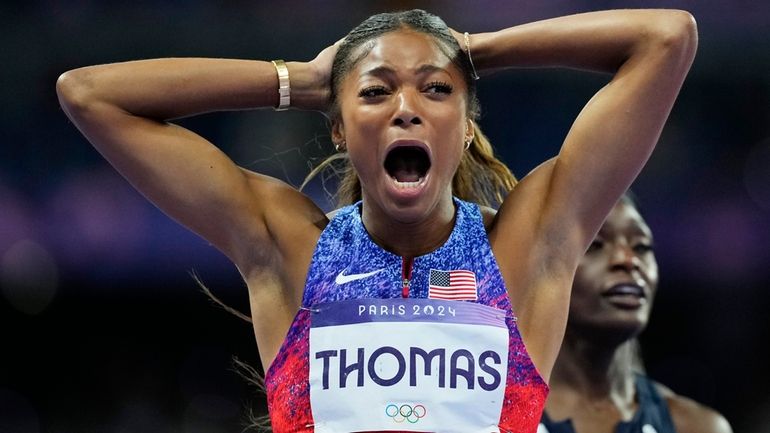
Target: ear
(338,132)
(470,130)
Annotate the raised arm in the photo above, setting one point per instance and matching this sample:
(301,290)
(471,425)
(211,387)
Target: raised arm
(545,225)
(123,109)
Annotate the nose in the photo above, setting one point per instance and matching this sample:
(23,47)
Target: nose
(624,257)
(406,110)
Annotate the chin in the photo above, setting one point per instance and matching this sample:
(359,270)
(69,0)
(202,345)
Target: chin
(610,330)
(405,208)
(624,330)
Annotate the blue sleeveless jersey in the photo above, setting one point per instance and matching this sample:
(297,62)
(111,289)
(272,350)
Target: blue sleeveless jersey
(347,264)
(651,417)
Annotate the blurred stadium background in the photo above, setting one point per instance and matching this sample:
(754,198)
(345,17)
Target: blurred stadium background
(102,327)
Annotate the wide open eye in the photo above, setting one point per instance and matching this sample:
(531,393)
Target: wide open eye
(407,163)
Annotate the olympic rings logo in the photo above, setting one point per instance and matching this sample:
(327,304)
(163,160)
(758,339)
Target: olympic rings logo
(405,412)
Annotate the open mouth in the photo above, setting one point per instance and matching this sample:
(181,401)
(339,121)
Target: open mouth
(407,165)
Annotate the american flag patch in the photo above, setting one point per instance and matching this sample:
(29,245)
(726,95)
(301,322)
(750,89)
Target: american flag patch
(457,285)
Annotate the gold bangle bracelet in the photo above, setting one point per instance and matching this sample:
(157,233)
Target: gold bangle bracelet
(284,87)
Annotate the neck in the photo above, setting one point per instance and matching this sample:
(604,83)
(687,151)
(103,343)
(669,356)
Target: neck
(413,237)
(596,371)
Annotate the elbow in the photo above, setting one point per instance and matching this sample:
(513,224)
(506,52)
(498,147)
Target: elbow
(677,33)
(74,91)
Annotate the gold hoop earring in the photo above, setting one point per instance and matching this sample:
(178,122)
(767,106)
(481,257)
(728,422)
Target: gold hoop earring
(468,144)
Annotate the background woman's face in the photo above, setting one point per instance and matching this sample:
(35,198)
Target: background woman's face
(616,279)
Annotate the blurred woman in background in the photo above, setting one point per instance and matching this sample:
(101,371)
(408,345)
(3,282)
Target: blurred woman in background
(598,383)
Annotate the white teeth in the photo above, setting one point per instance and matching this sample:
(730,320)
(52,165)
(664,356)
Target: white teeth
(404,185)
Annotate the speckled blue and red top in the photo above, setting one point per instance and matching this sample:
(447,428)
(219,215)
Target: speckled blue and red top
(346,246)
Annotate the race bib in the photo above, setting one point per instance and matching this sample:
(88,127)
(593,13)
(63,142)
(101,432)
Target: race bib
(416,365)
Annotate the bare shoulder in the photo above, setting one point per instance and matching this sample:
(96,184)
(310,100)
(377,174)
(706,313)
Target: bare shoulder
(332,213)
(284,197)
(690,416)
(518,225)
(527,196)
(293,221)
(487,215)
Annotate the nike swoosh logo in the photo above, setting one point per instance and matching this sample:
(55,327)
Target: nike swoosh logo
(342,278)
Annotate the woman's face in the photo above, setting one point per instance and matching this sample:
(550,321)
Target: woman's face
(404,123)
(616,279)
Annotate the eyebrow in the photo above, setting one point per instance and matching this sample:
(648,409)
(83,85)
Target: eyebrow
(640,231)
(634,230)
(384,70)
